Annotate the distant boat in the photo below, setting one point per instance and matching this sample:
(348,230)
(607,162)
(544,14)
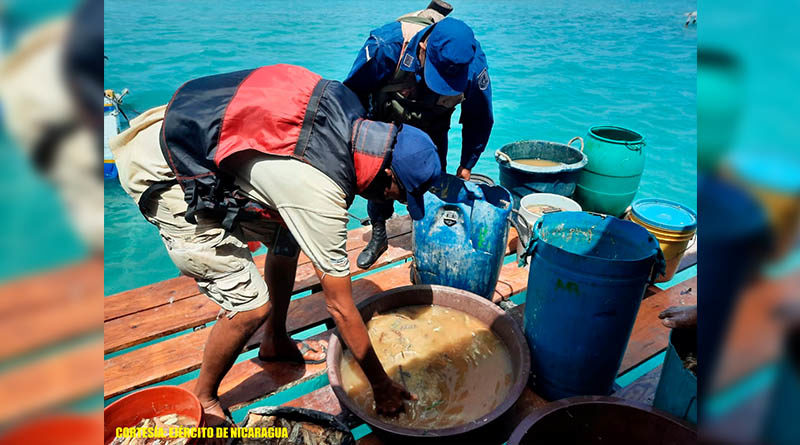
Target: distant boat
(111,128)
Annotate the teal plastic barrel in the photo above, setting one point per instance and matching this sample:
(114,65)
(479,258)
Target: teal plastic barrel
(587,277)
(611,178)
(677,387)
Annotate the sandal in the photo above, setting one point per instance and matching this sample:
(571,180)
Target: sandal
(304,348)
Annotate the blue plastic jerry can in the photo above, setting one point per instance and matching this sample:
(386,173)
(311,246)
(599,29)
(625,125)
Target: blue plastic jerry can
(461,240)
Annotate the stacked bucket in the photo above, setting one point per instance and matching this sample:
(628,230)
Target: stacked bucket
(589,269)
(673,224)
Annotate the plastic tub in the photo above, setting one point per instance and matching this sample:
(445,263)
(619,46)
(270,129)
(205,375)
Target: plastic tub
(151,402)
(601,420)
(521,179)
(61,429)
(484,310)
(530,217)
(674,225)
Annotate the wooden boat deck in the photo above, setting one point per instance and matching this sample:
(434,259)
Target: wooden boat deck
(155,333)
(50,353)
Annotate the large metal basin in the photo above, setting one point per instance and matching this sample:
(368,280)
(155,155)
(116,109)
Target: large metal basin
(482,309)
(601,420)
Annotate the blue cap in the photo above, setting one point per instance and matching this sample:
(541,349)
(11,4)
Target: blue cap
(449,52)
(415,162)
(665,214)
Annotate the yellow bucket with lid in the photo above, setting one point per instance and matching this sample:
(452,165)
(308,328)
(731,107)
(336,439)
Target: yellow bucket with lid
(770,178)
(674,226)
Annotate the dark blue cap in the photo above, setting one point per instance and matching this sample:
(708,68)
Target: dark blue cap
(449,52)
(415,162)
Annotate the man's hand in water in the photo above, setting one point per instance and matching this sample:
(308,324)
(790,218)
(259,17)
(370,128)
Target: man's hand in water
(679,317)
(390,398)
(463,173)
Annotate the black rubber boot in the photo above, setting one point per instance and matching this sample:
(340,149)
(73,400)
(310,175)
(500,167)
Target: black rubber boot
(376,246)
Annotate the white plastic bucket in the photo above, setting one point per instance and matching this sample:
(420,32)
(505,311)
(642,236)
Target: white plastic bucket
(535,199)
(560,202)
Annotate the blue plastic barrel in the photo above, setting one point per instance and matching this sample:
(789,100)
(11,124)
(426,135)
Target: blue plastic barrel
(588,275)
(521,179)
(461,241)
(677,387)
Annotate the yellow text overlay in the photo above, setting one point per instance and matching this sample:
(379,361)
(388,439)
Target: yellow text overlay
(203,433)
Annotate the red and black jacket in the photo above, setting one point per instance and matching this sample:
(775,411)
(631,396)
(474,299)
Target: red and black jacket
(280,110)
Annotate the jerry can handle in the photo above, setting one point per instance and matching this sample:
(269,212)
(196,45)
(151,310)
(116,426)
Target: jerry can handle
(576,138)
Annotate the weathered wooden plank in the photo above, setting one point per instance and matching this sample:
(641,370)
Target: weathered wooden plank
(253,376)
(143,326)
(150,296)
(48,288)
(176,356)
(50,382)
(176,289)
(322,399)
(649,336)
(49,308)
(130,330)
(196,310)
(512,281)
(756,332)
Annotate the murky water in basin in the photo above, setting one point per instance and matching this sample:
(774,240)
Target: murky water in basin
(456,366)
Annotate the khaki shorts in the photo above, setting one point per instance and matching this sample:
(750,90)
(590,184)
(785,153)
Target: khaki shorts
(218,259)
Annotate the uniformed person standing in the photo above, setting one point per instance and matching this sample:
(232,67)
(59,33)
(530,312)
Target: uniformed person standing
(416,70)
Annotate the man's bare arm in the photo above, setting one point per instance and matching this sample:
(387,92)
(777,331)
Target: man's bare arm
(389,395)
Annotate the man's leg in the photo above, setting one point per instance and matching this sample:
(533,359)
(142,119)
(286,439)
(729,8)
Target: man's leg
(225,342)
(280,269)
(379,212)
(223,267)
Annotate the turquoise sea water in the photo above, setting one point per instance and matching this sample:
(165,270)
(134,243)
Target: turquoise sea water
(556,68)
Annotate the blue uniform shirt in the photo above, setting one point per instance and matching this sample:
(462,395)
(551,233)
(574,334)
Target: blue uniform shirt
(376,63)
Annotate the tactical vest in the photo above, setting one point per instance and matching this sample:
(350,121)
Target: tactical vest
(281,110)
(401,100)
